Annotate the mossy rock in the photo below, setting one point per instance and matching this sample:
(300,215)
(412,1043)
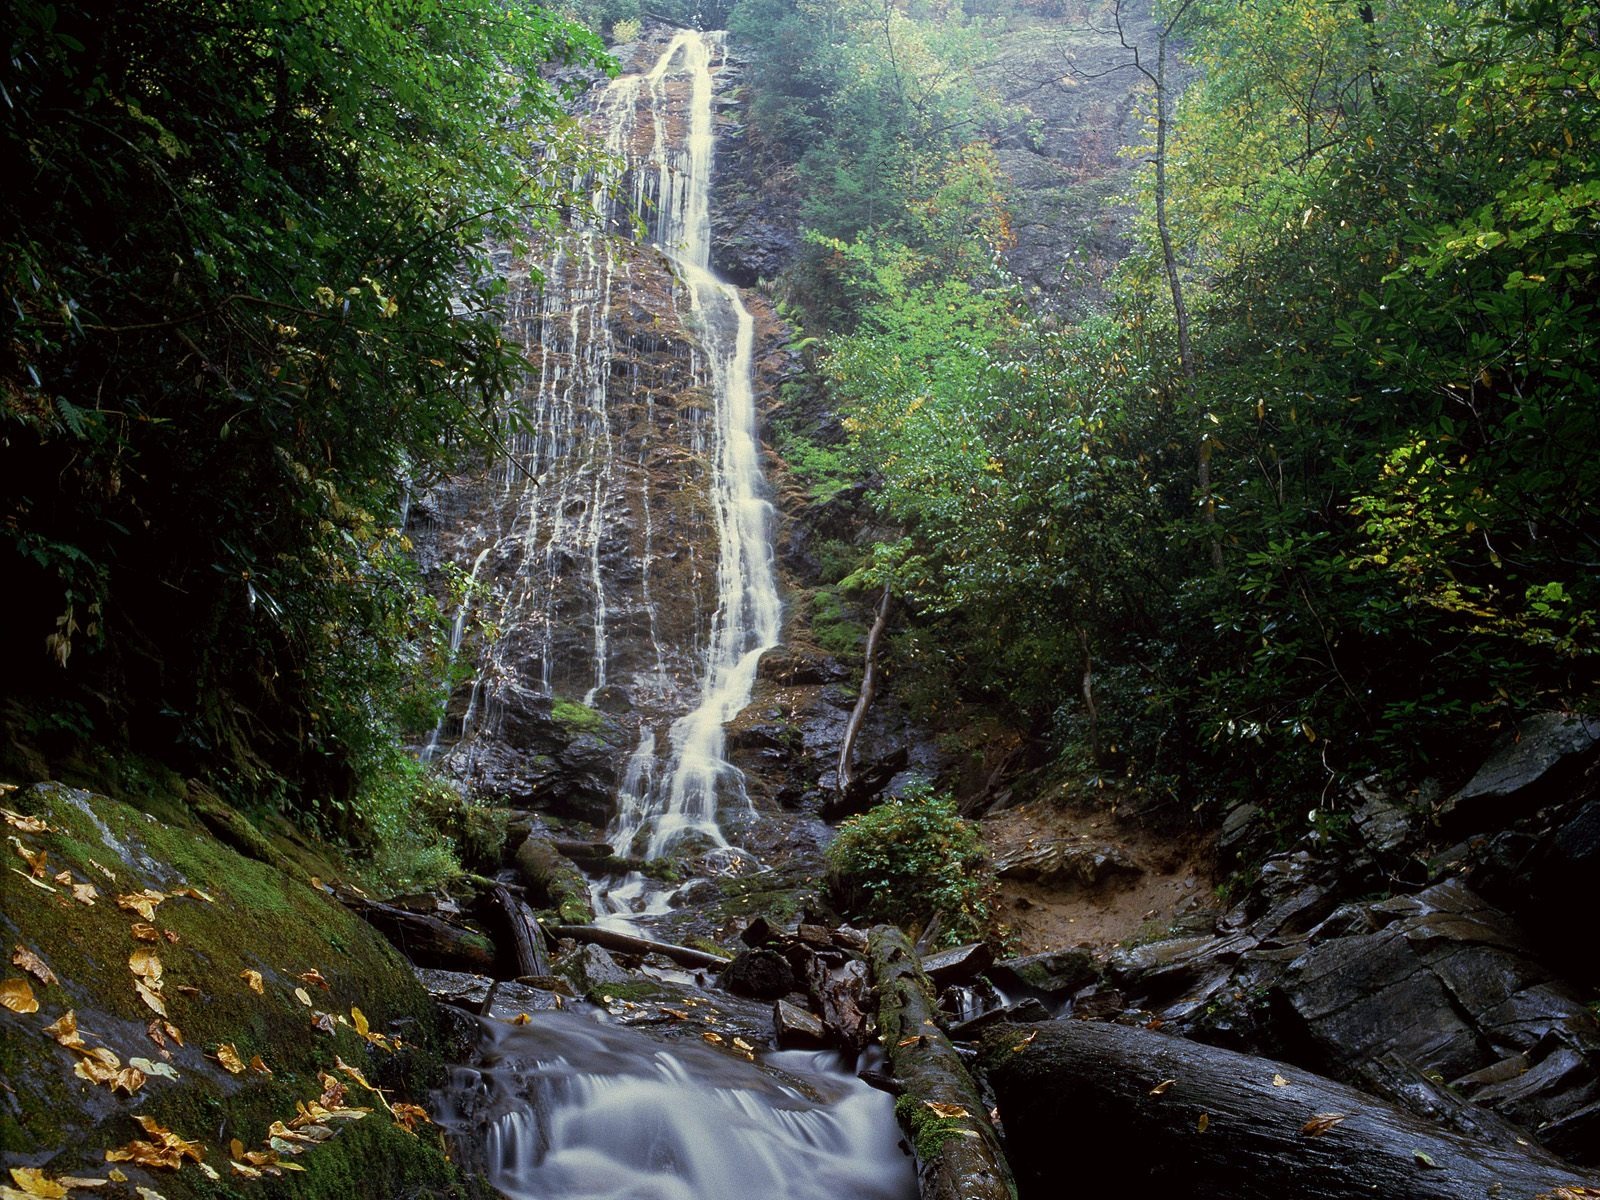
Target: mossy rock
(241,916)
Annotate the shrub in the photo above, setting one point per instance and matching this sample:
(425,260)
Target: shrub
(914,859)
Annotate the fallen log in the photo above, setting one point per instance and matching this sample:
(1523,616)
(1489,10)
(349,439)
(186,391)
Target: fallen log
(426,940)
(526,936)
(554,878)
(615,939)
(958,1154)
(1210,1122)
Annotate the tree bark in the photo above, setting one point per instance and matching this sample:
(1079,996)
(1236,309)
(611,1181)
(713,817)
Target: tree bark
(426,940)
(526,935)
(613,939)
(1209,1122)
(958,1153)
(869,689)
(555,878)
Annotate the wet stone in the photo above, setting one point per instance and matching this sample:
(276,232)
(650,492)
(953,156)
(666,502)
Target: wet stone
(794,1027)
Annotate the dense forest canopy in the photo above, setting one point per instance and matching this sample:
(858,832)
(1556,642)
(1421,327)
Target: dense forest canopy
(1383,222)
(248,296)
(1342,513)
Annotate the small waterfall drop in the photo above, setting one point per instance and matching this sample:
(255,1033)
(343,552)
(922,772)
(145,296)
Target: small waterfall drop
(584,1111)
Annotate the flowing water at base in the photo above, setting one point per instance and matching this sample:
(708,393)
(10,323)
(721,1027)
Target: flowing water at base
(568,1107)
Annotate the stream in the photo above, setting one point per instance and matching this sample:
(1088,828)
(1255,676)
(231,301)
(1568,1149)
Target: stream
(566,1106)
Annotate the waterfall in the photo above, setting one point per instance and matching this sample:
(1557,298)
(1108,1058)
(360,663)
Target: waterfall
(628,533)
(746,622)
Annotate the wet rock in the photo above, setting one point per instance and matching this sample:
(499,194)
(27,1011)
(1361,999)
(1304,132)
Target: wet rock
(759,974)
(1027,1012)
(1448,984)
(592,969)
(760,931)
(1192,969)
(794,1027)
(957,965)
(1084,865)
(1051,976)
(1383,820)
(1522,771)
(696,891)
(511,1000)
(1239,827)
(459,988)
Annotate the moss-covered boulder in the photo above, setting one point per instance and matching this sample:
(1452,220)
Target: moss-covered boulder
(212,996)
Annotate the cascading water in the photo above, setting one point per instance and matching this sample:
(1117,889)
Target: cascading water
(627,533)
(681,801)
(580,1110)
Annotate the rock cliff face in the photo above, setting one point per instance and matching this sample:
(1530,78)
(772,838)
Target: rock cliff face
(620,579)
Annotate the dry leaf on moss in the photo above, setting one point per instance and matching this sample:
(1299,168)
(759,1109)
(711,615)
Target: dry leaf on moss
(16,995)
(408,1115)
(259,1067)
(193,893)
(144,903)
(65,1030)
(253,978)
(27,824)
(303,996)
(84,893)
(1321,1123)
(38,883)
(228,1056)
(36,859)
(145,933)
(151,998)
(946,1110)
(314,977)
(32,1181)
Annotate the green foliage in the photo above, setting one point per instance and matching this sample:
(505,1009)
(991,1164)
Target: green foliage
(248,296)
(910,860)
(834,625)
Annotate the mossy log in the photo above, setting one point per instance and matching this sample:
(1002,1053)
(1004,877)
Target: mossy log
(554,878)
(426,940)
(958,1153)
(615,939)
(526,935)
(1209,1122)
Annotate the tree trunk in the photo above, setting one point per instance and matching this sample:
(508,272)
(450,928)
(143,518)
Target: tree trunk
(426,940)
(613,939)
(526,935)
(555,878)
(958,1153)
(1209,1122)
(869,688)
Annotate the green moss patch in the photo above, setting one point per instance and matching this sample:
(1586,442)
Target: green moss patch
(220,917)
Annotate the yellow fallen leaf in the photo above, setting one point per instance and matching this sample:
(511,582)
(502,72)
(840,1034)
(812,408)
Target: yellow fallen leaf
(173,1032)
(26,824)
(259,1067)
(193,893)
(315,979)
(128,1080)
(1279,1081)
(63,877)
(303,996)
(186,989)
(409,1114)
(148,1193)
(1162,1088)
(32,1181)
(1024,1043)
(116,1176)
(1321,1123)
(165,1070)
(84,893)
(208,1170)
(16,995)
(1203,1123)
(145,933)
(144,903)
(152,999)
(946,1110)
(154,1130)
(522,1018)
(104,870)
(80,1181)
(33,965)
(146,964)
(240,1169)
(65,1030)
(228,1056)
(36,859)
(714,1038)
(742,1044)
(253,978)
(360,1020)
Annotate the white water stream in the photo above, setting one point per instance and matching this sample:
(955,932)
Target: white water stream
(659,807)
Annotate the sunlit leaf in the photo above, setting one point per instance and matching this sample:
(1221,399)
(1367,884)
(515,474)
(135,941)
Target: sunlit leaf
(16,995)
(1279,1081)
(947,1110)
(146,964)
(193,894)
(145,933)
(144,903)
(1203,1123)
(36,859)
(26,824)
(253,978)
(228,1056)
(1161,1088)
(84,893)
(165,1070)
(303,996)
(258,1066)
(314,977)
(32,1181)
(65,1030)
(152,999)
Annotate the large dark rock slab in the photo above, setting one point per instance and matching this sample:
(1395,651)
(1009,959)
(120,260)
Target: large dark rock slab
(1523,771)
